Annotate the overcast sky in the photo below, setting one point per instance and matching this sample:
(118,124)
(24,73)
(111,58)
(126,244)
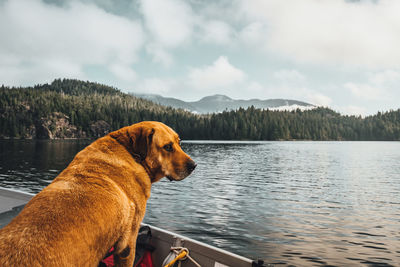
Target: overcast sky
(335,53)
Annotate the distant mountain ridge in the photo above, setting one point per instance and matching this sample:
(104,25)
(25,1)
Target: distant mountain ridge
(218,103)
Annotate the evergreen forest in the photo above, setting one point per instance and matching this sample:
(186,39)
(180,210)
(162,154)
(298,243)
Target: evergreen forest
(69,108)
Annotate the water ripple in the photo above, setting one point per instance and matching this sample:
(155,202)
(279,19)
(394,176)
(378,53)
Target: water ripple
(291,203)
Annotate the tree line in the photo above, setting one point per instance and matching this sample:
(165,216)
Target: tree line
(69,108)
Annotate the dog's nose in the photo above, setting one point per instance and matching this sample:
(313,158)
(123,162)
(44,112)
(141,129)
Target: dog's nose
(191,165)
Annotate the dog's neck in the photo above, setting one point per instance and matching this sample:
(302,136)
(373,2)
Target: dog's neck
(152,174)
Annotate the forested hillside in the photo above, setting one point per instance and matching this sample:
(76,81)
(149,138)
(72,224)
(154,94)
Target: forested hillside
(77,109)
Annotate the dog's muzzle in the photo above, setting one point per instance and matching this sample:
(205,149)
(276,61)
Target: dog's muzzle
(186,171)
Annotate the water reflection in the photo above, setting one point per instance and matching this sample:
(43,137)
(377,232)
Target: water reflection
(30,165)
(291,203)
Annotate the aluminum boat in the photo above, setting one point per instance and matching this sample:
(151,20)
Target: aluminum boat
(201,254)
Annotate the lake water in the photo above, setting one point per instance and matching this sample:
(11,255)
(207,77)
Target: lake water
(289,203)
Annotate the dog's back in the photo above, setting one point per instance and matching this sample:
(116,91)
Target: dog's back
(75,219)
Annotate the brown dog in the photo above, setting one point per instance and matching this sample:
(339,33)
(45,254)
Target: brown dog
(97,202)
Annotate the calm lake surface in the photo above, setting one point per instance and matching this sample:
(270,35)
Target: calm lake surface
(289,203)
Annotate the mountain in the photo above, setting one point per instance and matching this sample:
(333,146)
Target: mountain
(167,101)
(219,103)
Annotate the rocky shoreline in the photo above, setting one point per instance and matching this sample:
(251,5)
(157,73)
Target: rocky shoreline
(57,126)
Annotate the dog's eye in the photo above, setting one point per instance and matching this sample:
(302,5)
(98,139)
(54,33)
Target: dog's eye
(168,147)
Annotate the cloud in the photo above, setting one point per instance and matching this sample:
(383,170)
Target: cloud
(216,32)
(289,75)
(20,74)
(386,77)
(50,41)
(124,73)
(220,74)
(319,99)
(170,22)
(160,54)
(254,34)
(156,86)
(254,88)
(364,91)
(220,77)
(377,86)
(363,33)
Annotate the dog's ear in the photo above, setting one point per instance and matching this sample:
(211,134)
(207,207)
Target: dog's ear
(141,140)
(135,139)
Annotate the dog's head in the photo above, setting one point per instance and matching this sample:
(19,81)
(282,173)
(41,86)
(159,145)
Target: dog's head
(157,147)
